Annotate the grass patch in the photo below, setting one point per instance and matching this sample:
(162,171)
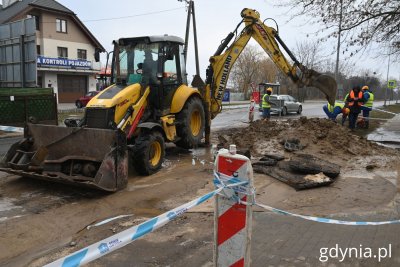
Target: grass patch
(377,118)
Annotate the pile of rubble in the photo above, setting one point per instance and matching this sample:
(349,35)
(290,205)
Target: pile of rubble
(303,153)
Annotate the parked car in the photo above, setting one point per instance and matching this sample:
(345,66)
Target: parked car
(83,100)
(284,105)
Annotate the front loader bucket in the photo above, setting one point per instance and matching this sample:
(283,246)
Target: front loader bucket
(96,158)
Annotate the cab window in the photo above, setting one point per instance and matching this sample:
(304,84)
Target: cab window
(170,67)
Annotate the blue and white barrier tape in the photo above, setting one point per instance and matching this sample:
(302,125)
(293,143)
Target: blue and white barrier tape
(231,185)
(385,111)
(119,240)
(122,239)
(324,220)
(11,129)
(220,180)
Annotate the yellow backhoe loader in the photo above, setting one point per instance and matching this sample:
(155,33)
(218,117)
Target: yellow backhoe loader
(149,103)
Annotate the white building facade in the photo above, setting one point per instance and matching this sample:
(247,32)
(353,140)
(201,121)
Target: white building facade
(65,47)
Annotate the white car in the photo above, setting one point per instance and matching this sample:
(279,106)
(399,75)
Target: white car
(285,104)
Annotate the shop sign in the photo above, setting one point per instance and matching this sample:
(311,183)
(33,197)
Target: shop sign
(64,62)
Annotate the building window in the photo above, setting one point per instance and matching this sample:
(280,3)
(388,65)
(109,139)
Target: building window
(38,50)
(62,52)
(61,25)
(81,54)
(37,20)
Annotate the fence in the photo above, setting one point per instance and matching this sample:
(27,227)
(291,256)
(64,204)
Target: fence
(18,105)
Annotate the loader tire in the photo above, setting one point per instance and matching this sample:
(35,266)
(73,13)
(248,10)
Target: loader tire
(148,153)
(191,123)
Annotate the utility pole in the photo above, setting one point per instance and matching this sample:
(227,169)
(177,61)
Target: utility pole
(191,14)
(387,78)
(338,43)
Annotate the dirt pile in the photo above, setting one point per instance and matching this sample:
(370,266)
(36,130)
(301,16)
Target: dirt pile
(315,136)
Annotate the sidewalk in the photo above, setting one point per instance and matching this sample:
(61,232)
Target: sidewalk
(287,241)
(389,132)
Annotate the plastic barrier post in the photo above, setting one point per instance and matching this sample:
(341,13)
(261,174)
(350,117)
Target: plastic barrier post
(233,221)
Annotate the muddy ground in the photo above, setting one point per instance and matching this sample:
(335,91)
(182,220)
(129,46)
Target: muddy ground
(41,222)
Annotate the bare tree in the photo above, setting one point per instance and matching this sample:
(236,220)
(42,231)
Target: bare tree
(267,71)
(253,66)
(246,68)
(310,54)
(362,22)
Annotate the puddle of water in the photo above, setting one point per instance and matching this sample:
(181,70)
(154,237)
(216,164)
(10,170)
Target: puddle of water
(6,204)
(3,219)
(204,156)
(393,181)
(8,209)
(391,176)
(387,174)
(359,175)
(388,135)
(134,187)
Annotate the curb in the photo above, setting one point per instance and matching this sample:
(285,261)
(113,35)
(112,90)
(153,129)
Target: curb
(10,135)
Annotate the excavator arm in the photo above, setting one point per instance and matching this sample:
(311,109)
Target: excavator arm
(222,61)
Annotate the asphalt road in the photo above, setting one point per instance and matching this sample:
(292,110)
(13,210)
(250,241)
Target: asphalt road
(232,116)
(238,116)
(5,143)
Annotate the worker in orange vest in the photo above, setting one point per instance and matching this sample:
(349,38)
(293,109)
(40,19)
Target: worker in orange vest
(354,101)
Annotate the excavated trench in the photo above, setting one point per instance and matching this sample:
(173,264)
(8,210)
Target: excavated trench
(315,145)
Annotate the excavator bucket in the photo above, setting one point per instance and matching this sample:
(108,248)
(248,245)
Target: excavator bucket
(327,85)
(95,158)
(324,83)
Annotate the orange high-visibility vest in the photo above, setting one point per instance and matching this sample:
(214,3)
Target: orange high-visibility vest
(360,96)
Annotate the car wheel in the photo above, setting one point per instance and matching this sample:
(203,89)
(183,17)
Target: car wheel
(284,111)
(299,110)
(78,104)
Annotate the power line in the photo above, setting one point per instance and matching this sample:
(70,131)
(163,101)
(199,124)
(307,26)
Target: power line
(137,15)
(125,17)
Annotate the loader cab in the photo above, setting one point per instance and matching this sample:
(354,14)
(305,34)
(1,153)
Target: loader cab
(155,61)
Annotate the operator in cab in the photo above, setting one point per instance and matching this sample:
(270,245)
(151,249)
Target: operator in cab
(149,68)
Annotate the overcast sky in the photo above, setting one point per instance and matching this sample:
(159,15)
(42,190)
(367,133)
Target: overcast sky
(110,20)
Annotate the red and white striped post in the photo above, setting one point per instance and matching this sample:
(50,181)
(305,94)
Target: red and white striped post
(232,220)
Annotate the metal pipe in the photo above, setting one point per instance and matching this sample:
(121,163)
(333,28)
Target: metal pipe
(224,44)
(280,41)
